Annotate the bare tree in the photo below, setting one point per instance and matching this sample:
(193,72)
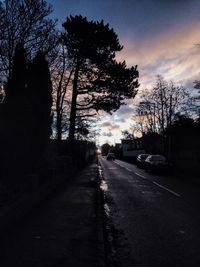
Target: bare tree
(61,74)
(25,22)
(159,106)
(127,135)
(196,99)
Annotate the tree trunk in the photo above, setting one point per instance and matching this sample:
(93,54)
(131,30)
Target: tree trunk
(73,104)
(59,127)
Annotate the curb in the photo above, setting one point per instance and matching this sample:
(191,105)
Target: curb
(100,224)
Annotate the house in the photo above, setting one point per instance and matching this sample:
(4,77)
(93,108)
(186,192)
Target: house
(132,148)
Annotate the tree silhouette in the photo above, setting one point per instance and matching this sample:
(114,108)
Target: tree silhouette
(15,116)
(196,99)
(17,81)
(159,106)
(184,140)
(25,22)
(105,148)
(99,81)
(39,94)
(25,116)
(61,81)
(127,135)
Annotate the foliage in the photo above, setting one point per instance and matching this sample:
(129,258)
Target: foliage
(82,129)
(128,136)
(25,115)
(105,149)
(99,81)
(184,136)
(17,81)
(39,93)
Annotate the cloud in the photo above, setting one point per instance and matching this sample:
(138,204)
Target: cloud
(107,134)
(120,119)
(125,109)
(115,127)
(111,126)
(106,124)
(173,54)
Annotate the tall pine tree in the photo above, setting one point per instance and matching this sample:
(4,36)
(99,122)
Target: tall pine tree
(39,94)
(99,81)
(17,82)
(25,116)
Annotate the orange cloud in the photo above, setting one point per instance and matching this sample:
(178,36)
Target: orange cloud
(174,54)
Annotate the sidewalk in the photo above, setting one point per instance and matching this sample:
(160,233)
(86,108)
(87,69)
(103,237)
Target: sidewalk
(66,230)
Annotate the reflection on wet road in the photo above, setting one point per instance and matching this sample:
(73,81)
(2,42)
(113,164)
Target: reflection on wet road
(157,216)
(132,169)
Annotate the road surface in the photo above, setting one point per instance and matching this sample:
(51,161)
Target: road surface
(155,218)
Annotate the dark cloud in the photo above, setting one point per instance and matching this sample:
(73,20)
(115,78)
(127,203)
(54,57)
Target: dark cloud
(124,110)
(106,124)
(115,127)
(107,134)
(110,126)
(120,120)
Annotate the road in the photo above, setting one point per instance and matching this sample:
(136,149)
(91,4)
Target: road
(156,217)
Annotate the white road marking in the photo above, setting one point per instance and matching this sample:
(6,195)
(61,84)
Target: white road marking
(165,188)
(123,167)
(140,175)
(119,164)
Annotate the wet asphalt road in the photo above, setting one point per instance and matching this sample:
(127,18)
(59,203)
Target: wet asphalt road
(156,217)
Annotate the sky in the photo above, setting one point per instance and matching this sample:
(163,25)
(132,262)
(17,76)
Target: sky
(160,36)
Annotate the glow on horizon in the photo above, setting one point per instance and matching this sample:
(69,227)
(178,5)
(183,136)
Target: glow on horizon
(174,55)
(161,38)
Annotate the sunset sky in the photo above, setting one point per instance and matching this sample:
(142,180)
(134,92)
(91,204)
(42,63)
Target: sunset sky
(160,36)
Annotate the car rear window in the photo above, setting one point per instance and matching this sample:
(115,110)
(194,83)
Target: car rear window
(158,158)
(144,156)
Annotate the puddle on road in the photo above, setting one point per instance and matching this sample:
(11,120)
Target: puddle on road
(104,189)
(100,172)
(106,209)
(116,248)
(182,232)
(104,186)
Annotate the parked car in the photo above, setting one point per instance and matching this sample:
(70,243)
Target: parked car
(156,163)
(110,156)
(140,161)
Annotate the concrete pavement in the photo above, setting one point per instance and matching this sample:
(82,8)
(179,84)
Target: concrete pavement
(66,230)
